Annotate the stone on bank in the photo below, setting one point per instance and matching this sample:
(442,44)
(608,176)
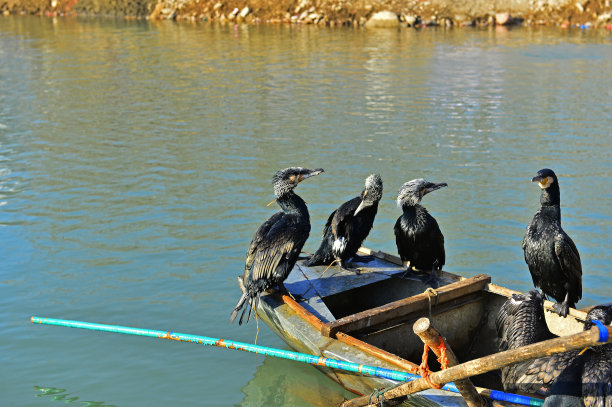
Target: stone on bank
(383,19)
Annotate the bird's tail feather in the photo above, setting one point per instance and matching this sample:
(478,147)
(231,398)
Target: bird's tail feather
(237,308)
(321,257)
(254,302)
(312,261)
(252,305)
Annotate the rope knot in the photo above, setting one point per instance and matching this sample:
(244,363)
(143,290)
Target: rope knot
(424,368)
(431,292)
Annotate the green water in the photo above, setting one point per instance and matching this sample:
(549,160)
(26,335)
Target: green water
(135,165)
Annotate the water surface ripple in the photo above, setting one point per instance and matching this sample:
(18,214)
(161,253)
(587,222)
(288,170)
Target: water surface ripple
(135,165)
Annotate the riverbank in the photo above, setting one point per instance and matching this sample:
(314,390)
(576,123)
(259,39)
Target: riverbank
(389,13)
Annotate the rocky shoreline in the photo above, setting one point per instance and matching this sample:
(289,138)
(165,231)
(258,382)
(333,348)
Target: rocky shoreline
(357,13)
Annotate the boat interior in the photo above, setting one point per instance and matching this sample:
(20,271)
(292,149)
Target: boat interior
(379,301)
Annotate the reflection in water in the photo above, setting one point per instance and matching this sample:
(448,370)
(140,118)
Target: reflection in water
(60,395)
(303,386)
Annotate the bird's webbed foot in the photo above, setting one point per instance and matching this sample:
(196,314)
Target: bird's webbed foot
(409,270)
(432,280)
(433,276)
(561,308)
(544,294)
(349,266)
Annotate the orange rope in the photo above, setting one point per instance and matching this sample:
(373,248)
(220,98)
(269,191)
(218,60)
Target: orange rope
(423,369)
(443,359)
(424,366)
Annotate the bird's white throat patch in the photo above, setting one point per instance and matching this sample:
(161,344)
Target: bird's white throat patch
(514,301)
(546,182)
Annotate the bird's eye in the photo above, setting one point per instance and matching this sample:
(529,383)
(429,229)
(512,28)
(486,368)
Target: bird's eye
(300,178)
(546,182)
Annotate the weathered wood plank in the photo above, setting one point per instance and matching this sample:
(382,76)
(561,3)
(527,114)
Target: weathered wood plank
(400,308)
(507,292)
(397,261)
(436,310)
(302,312)
(381,255)
(323,281)
(377,352)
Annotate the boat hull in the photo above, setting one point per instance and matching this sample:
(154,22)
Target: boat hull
(302,336)
(350,316)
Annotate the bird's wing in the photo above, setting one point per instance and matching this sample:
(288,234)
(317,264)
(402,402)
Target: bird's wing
(546,370)
(505,318)
(259,236)
(328,225)
(569,259)
(437,239)
(524,243)
(342,216)
(528,254)
(283,241)
(431,241)
(597,377)
(399,239)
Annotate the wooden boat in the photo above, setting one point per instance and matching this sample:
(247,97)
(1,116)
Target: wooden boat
(367,318)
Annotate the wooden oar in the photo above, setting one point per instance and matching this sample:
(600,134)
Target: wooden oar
(263,350)
(597,335)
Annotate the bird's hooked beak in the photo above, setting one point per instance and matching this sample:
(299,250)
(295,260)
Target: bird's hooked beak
(310,173)
(362,205)
(432,187)
(544,182)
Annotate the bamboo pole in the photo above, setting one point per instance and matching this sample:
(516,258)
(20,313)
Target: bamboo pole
(432,338)
(380,372)
(491,362)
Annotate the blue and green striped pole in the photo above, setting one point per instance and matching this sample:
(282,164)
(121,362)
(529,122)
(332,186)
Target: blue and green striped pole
(278,353)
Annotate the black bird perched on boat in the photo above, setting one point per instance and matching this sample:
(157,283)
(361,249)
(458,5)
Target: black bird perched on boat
(587,381)
(568,377)
(349,225)
(278,241)
(550,253)
(417,234)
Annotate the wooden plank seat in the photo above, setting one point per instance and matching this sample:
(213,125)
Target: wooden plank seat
(401,310)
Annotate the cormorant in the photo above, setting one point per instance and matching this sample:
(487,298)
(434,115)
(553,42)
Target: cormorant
(349,225)
(417,234)
(278,241)
(550,253)
(521,322)
(568,378)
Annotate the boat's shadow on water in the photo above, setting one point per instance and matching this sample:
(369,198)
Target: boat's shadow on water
(55,394)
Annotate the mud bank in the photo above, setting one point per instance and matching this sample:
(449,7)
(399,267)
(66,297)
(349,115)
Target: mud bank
(369,13)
